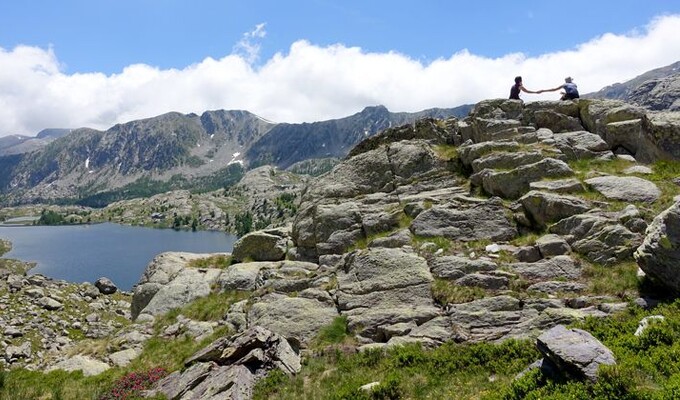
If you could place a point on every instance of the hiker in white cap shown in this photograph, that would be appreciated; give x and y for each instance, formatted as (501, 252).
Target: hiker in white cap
(570, 90)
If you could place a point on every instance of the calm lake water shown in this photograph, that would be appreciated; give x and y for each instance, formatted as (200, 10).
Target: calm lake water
(80, 253)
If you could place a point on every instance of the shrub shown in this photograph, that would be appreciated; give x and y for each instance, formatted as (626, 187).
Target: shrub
(132, 384)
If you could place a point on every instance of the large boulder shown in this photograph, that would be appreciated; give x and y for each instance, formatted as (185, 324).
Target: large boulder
(581, 144)
(298, 319)
(487, 220)
(168, 283)
(558, 267)
(381, 286)
(659, 254)
(543, 208)
(504, 317)
(88, 365)
(469, 152)
(625, 188)
(267, 245)
(596, 114)
(229, 367)
(600, 237)
(574, 351)
(661, 133)
(513, 183)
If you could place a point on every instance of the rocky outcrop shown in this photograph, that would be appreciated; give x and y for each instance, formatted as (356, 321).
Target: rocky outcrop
(268, 245)
(658, 94)
(487, 220)
(659, 253)
(574, 351)
(167, 284)
(382, 287)
(229, 367)
(599, 236)
(627, 188)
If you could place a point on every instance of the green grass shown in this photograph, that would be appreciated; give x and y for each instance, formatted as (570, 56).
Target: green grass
(648, 367)
(209, 308)
(408, 372)
(617, 280)
(220, 261)
(446, 152)
(5, 247)
(335, 333)
(446, 292)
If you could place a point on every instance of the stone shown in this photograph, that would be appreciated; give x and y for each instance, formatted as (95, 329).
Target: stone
(243, 276)
(295, 318)
(257, 347)
(556, 122)
(659, 254)
(454, 267)
(488, 220)
(88, 365)
(513, 183)
(397, 239)
(570, 185)
(574, 351)
(598, 236)
(21, 351)
(506, 160)
(167, 283)
(582, 145)
(105, 286)
(559, 267)
(527, 254)
(489, 282)
(552, 245)
(555, 287)
(543, 208)
(638, 169)
(124, 357)
(382, 286)
(260, 246)
(468, 153)
(627, 188)
(50, 304)
(646, 321)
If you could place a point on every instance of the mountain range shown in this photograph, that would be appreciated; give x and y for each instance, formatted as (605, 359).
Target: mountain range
(175, 151)
(212, 150)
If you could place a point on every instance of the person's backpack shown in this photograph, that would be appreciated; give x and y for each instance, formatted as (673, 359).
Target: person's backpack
(570, 88)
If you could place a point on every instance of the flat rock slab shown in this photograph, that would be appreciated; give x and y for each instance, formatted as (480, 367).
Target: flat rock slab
(629, 188)
(574, 351)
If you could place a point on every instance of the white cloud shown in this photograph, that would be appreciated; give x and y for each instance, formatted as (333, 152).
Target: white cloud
(249, 46)
(309, 82)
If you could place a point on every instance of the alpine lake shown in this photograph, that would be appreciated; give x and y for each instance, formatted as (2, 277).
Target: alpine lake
(84, 253)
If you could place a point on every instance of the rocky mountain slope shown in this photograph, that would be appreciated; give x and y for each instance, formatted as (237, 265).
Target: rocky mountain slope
(658, 89)
(18, 144)
(503, 225)
(175, 151)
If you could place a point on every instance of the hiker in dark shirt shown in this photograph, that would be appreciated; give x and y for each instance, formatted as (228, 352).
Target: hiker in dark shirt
(515, 89)
(570, 89)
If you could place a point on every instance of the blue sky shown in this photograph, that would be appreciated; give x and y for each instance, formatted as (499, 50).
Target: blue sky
(92, 63)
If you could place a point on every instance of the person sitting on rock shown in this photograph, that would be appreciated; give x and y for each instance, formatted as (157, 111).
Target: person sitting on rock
(570, 90)
(515, 89)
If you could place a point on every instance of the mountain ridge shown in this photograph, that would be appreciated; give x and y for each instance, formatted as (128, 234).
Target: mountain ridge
(181, 146)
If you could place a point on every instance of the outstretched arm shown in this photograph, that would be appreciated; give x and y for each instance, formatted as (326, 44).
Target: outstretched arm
(522, 88)
(552, 90)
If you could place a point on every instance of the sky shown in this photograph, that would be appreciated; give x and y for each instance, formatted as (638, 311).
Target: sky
(95, 63)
